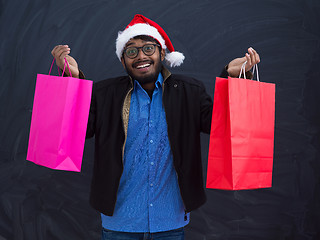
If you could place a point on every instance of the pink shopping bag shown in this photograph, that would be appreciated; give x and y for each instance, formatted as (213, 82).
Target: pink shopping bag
(59, 121)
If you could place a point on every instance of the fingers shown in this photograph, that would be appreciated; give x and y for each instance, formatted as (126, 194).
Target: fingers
(248, 59)
(252, 58)
(60, 52)
(253, 55)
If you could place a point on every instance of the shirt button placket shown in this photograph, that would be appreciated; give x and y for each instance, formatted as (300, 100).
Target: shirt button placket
(152, 163)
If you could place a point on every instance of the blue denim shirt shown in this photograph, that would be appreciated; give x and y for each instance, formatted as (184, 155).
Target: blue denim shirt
(148, 198)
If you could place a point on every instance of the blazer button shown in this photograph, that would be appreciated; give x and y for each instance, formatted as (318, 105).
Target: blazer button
(175, 85)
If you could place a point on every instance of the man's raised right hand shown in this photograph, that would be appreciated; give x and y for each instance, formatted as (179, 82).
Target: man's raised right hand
(60, 52)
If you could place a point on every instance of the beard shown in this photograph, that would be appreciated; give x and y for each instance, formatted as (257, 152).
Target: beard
(148, 78)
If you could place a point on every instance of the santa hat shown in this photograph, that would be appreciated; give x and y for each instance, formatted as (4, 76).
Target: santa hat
(141, 25)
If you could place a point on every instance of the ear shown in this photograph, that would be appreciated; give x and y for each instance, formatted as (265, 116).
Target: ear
(123, 63)
(163, 54)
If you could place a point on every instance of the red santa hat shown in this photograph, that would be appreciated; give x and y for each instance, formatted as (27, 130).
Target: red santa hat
(141, 25)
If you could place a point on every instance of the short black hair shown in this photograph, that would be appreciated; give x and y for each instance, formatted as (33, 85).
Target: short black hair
(148, 38)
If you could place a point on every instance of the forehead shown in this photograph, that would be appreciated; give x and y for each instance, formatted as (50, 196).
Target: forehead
(136, 42)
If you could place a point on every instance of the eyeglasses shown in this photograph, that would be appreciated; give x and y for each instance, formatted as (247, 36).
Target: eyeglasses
(148, 49)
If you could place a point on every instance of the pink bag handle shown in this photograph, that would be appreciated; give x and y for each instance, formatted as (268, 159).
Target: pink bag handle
(51, 67)
(65, 63)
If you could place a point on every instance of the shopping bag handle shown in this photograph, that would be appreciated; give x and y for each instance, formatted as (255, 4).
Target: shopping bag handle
(51, 67)
(65, 63)
(243, 69)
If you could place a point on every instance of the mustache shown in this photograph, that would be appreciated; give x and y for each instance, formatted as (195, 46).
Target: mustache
(142, 62)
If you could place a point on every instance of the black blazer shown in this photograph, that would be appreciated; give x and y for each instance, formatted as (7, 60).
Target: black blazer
(188, 112)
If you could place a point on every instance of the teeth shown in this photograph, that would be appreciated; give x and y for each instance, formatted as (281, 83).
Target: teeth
(145, 65)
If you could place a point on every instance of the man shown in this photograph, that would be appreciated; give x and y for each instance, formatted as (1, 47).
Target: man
(147, 173)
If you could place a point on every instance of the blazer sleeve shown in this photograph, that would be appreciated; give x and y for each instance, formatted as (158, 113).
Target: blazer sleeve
(92, 115)
(224, 73)
(206, 106)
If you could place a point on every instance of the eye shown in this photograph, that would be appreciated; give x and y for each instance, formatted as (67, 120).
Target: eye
(148, 48)
(131, 51)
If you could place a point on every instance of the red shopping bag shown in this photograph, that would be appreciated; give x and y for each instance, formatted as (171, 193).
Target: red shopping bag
(59, 121)
(242, 135)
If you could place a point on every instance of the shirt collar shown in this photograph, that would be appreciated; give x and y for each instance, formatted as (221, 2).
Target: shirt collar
(159, 81)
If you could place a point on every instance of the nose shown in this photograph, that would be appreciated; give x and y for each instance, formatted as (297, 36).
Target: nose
(140, 54)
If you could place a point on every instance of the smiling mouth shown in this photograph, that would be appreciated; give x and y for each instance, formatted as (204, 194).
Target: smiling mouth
(143, 66)
(140, 65)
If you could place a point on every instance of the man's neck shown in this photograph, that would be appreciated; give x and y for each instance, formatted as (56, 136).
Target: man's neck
(148, 86)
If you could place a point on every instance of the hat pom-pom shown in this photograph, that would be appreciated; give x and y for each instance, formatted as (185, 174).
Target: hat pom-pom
(174, 59)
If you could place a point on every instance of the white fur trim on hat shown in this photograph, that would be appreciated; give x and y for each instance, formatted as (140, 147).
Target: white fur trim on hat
(136, 30)
(174, 59)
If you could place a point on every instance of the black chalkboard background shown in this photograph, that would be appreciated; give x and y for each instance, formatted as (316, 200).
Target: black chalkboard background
(39, 203)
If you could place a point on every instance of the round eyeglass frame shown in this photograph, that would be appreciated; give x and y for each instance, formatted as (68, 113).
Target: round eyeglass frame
(143, 50)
